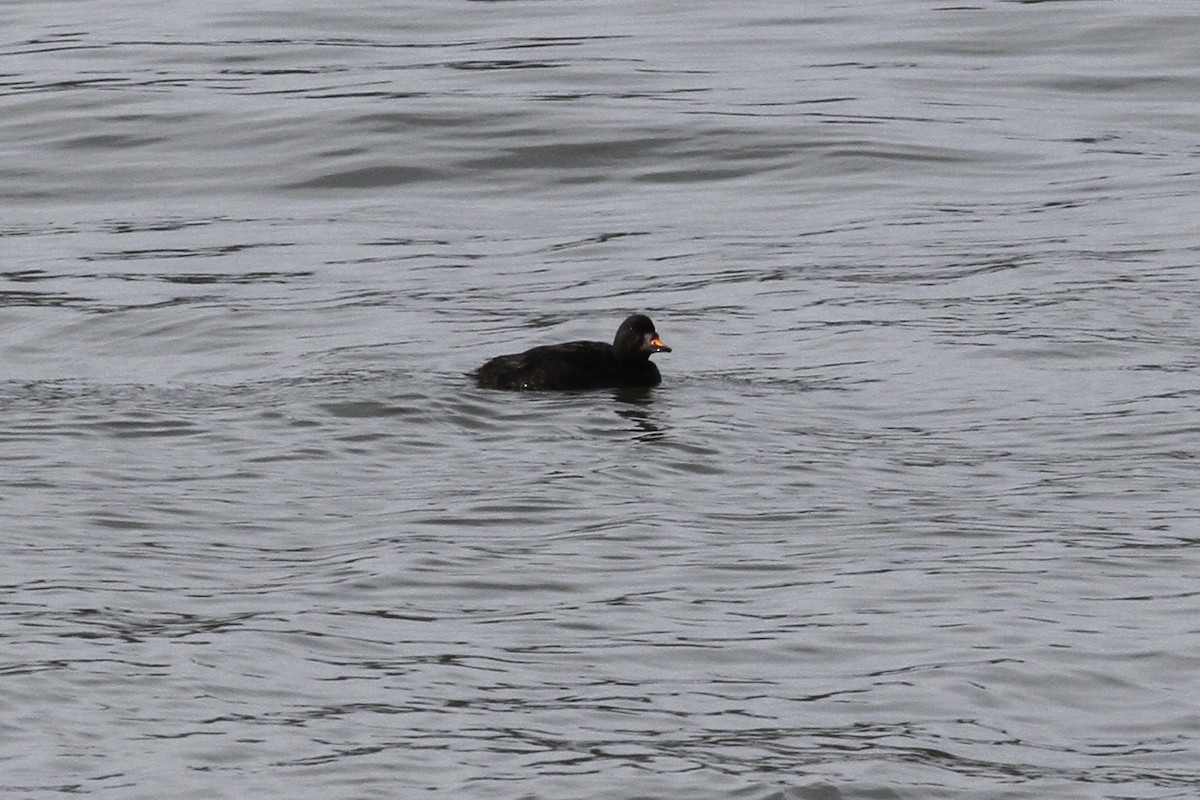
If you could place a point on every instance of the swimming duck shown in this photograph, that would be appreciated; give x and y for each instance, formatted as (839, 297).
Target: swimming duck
(581, 365)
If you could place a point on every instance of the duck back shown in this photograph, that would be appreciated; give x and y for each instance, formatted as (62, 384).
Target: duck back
(572, 365)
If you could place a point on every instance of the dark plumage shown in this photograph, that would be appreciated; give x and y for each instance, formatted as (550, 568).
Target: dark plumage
(581, 365)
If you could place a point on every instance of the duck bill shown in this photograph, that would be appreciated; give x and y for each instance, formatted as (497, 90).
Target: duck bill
(658, 345)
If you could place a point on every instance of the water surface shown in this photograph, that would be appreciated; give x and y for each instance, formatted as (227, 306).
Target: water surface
(912, 515)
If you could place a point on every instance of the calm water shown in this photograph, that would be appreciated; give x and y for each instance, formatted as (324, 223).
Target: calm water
(914, 514)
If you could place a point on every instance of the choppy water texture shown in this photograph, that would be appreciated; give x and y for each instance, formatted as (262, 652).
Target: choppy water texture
(914, 513)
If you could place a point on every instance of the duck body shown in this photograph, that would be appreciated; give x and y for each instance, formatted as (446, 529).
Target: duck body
(581, 365)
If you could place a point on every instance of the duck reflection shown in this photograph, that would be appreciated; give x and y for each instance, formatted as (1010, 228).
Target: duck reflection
(636, 404)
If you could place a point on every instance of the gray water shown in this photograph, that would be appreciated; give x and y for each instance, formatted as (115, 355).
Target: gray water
(914, 513)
